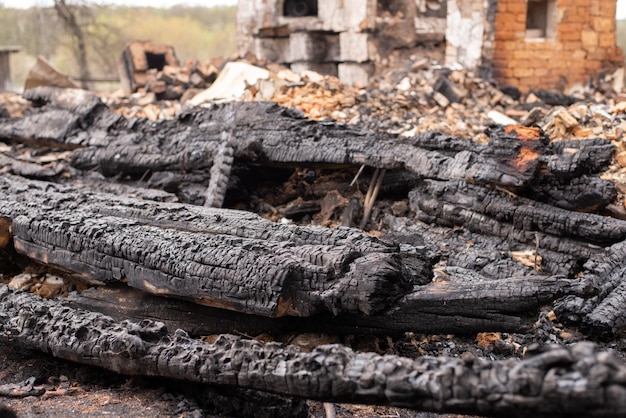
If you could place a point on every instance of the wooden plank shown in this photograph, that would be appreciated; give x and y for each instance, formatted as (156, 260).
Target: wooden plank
(232, 261)
(517, 158)
(548, 382)
(496, 212)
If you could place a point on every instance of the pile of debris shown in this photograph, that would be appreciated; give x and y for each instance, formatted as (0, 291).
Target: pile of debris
(483, 205)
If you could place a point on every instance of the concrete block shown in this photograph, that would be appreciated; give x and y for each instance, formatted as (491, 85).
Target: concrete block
(352, 72)
(343, 15)
(328, 68)
(314, 47)
(355, 47)
(272, 49)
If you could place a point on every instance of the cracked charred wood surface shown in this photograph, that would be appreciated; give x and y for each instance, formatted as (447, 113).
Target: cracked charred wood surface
(216, 257)
(602, 310)
(264, 133)
(455, 306)
(496, 212)
(187, 251)
(491, 256)
(553, 381)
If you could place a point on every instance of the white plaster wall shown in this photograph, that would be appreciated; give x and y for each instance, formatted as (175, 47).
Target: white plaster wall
(464, 32)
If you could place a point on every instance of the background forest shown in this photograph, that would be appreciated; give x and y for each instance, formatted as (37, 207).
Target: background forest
(195, 33)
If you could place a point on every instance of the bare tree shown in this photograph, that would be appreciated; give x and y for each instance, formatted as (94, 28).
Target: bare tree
(68, 17)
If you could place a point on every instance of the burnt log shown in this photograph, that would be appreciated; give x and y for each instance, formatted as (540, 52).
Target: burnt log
(602, 311)
(550, 381)
(456, 305)
(497, 212)
(186, 251)
(492, 256)
(194, 143)
(234, 261)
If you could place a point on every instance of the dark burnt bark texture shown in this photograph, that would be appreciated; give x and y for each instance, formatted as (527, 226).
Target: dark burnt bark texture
(239, 261)
(553, 381)
(500, 230)
(200, 146)
(216, 257)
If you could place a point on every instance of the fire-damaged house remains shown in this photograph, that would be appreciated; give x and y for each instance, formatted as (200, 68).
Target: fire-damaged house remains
(526, 43)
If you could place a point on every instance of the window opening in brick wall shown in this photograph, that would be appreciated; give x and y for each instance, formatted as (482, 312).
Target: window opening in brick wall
(300, 8)
(157, 61)
(541, 19)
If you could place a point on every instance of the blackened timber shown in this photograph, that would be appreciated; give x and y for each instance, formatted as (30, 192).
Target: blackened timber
(584, 193)
(574, 157)
(602, 308)
(458, 306)
(491, 256)
(163, 248)
(550, 381)
(265, 132)
(497, 212)
(250, 269)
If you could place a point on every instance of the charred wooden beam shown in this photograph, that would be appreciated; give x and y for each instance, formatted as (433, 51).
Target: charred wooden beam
(492, 256)
(462, 304)
(178, 250)
(550, 381)
(192, 142)
(232, 261)
(585, 193)
(496, 212)
(602, 310)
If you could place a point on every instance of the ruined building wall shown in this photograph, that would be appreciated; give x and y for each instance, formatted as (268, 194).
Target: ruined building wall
(576, 40)
(345, 38)
(549, 44)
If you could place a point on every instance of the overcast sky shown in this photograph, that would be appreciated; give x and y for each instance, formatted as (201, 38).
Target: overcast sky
(621, 4)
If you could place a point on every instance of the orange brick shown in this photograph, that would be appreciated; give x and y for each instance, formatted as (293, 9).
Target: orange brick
(568, 27)
(579, 54)
(570, 36)
(589, 38)
(607, 41)
(566, 3)
(603, 24)
(570, 46)
(597, 54)
(506, 35)
(523, 72)
(517, 7)
(575, 15)
(593, 64)
(522, 54)
(506, 18)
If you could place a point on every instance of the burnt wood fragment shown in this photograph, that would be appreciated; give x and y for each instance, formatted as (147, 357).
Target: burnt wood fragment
(231, 259)
(602, 308)
(585, 193)
(456, 305)
(119, 146)
(496, 212)
(551, 381)
(575, 157)
(491, 256)
(26, 169)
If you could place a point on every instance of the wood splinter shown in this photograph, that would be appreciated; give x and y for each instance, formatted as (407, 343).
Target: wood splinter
(372, 193)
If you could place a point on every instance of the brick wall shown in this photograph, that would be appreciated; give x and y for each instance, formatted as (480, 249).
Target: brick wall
(580, 44)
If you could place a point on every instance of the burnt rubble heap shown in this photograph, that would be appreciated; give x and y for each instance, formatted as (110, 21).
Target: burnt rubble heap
(513, 231)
